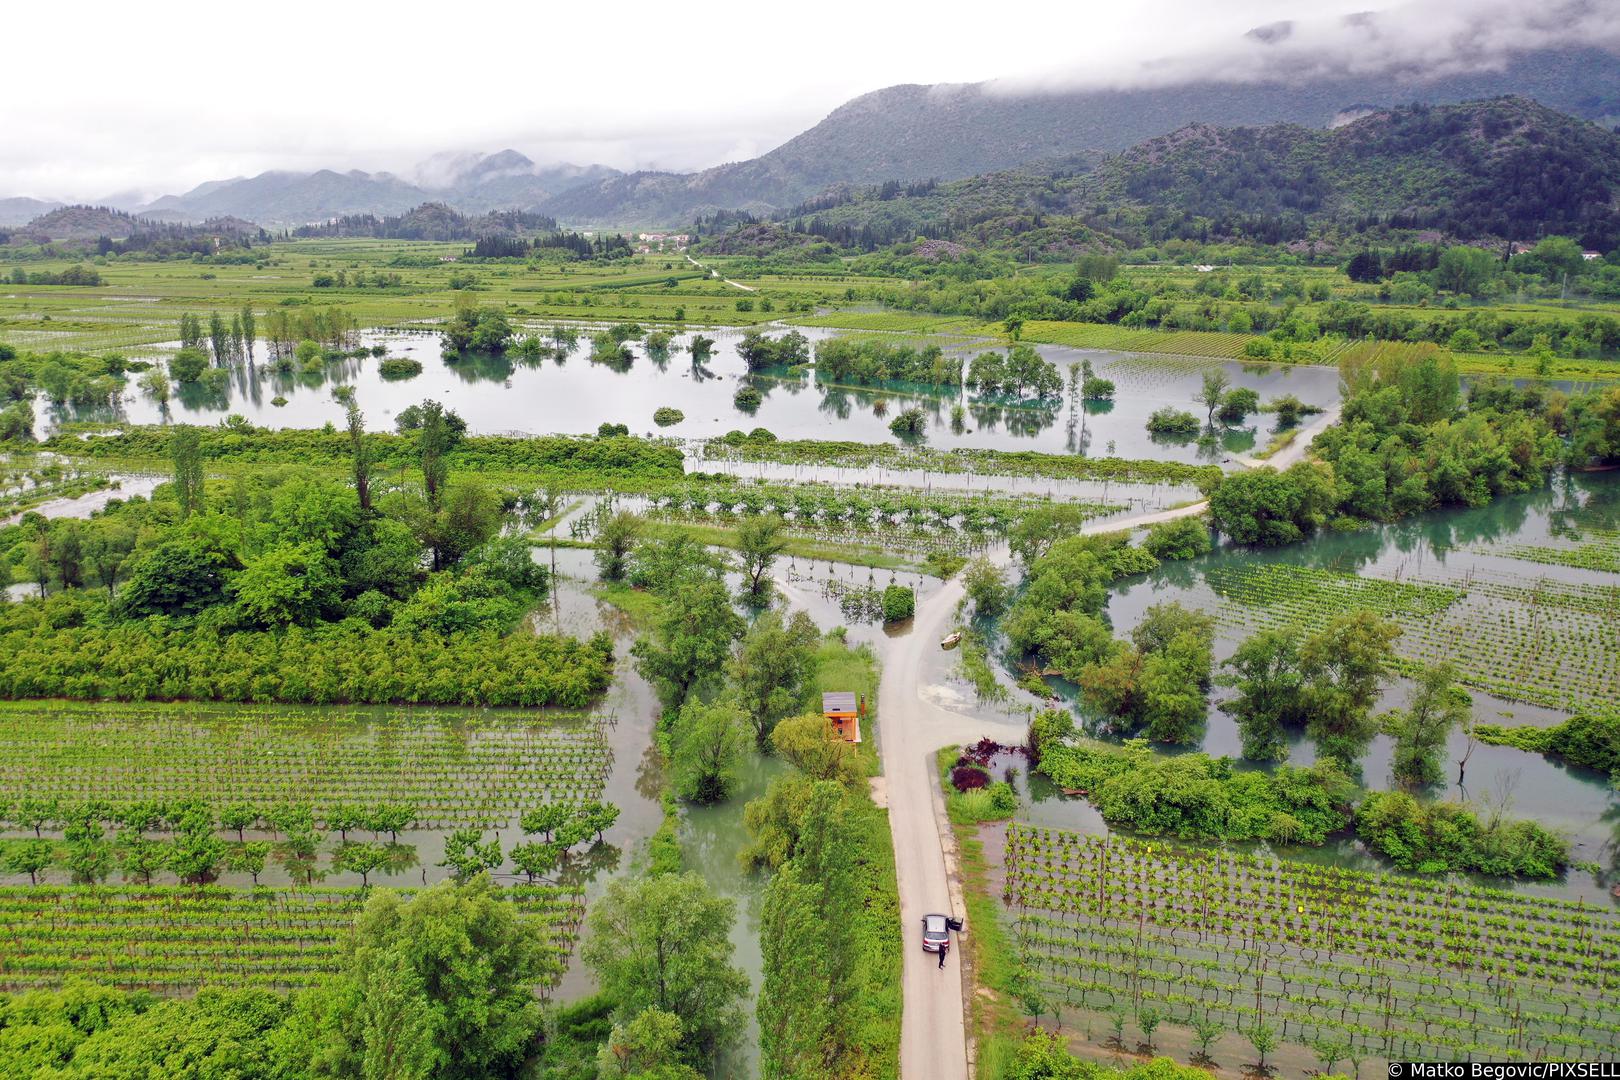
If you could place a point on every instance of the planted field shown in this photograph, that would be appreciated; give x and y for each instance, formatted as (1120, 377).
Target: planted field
(1109, 925)
(984, 462)
(894, 520)
(899, 321)
(1545, 642)
(178, 938)
(455, 769)
(1597, 549)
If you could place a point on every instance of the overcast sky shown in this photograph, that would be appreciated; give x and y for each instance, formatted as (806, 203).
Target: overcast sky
(159, 97)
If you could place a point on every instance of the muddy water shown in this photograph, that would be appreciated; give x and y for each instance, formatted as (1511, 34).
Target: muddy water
(1446, 545)
(499, 394)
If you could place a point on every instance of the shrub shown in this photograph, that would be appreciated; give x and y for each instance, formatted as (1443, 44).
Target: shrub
(968, 777)
(910, 424)
(1171, 421)
(899, 602)
(399, 367)
(666, 416)
(747, 399)
(1183, 538)
(187, 365)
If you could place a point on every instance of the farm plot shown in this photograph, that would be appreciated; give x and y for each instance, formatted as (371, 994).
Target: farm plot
(170, 939)
(471, 769)
(1598, 549)
(1544, 642)
(894, 520)
(1110, 925)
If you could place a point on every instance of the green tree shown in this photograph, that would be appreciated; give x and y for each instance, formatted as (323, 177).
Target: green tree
(1181, 538)
(467, 854)
(1436, 708)
(248, 858)
(807, 743)
(1038, 529)
(441, 986)
(1465, 270)
(759, 542)
(363, 859)
(1344, 667)
(708, 746)
(27, 857)
(359, 451)
(805, 997)
(187, 365)
(691, 638)
(615, 540)
(663, 942)
(185, 451)
(772, 669)
(536, 860)
(287, 585)
(985, 587)
(1263, 1037)
(1214, 390)
(1266, 672)
(647, 1047)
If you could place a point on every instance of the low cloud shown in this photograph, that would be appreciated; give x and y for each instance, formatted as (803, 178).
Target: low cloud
(1428, 39)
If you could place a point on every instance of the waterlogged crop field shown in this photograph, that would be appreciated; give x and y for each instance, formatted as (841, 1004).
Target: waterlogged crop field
(1318, 954)
(474, 769)
(179, 938)
(896, 520)
(119, 819)
(1542, 641)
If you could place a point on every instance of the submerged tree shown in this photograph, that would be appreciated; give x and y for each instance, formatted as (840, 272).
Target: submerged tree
(1437, 707)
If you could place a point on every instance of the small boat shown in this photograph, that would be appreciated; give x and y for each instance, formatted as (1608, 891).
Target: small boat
(952, 640)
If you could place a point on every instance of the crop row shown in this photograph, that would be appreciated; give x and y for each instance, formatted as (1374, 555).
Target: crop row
(1598, 549)
(175, 938)
(471, 769)
(1108, 923)
(1549, 643)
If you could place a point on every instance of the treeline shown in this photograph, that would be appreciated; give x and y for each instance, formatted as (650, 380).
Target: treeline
(1590, 741)
(579, 245)
(725, 684)
(1407, 443)
(335, 664)
(1196, 797)
(867, 362)
(66, 379)
(432, 221)
(584, 460)
(76, 274)
(286, 586)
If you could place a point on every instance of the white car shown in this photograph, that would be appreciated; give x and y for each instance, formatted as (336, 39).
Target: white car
(936, 932)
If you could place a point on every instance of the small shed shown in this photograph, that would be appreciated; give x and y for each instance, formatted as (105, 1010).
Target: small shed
(843, 711)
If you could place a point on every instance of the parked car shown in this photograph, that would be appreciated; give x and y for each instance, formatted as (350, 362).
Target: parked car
(936, 932)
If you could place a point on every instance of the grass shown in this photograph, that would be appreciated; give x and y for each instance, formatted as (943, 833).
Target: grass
(994, 1022)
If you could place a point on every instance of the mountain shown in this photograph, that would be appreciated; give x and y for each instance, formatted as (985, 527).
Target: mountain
(1508, 168)
(953, 131)
(20, 210)
(472, 183)
(81, 226)
(287, 197)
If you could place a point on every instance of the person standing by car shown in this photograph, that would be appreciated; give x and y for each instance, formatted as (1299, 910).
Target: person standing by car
(944, 947)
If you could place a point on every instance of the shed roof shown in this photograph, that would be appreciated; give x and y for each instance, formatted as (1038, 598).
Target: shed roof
(838, 701)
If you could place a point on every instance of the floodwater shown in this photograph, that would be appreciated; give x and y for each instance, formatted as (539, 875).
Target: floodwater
(1454, 545)
(711, 838)
(572, 396)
